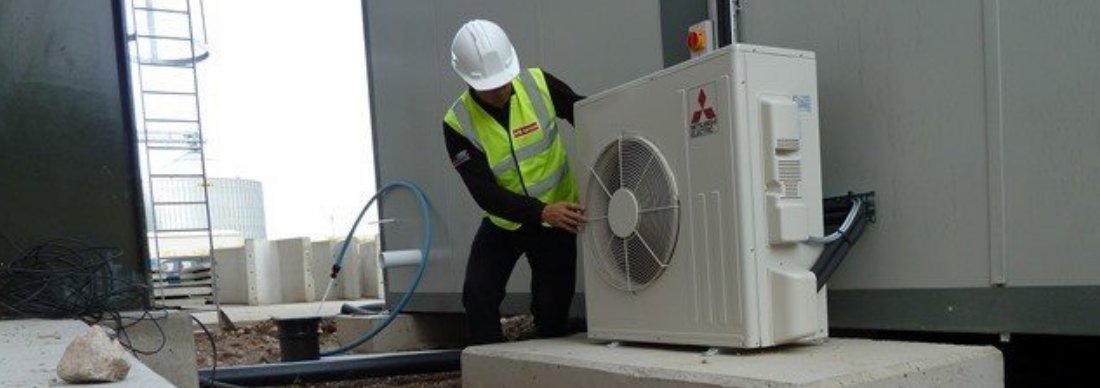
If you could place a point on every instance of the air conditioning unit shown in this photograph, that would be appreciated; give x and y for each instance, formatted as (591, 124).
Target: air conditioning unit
(702, 183)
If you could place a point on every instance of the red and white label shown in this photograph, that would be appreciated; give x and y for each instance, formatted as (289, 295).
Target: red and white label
(525, 130)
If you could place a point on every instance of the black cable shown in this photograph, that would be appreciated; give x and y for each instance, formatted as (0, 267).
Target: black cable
(121, 323)
(213, 349)
(211, 381)
(65, 279)
(842, 247)
(834, 253)
(71, 279)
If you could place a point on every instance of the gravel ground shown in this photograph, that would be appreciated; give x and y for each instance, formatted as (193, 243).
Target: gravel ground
(259, 344)
(518, 328)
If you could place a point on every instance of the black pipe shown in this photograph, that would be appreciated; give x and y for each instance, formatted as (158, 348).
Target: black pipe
(823, 259)
(298, 338)
(338, 368)
(836, 210)
(216, 384)
(841, 252)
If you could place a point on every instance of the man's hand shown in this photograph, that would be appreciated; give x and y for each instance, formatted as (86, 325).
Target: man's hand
(564, 215)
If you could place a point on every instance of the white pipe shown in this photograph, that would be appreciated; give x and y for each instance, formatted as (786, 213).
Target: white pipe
(401, 258)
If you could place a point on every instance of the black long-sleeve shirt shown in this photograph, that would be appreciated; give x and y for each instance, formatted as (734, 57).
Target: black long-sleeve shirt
(473, 165)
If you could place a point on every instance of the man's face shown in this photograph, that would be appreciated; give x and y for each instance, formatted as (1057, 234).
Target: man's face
(497, 97)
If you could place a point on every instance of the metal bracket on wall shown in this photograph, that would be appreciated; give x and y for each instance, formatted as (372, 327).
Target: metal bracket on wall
(840, 205)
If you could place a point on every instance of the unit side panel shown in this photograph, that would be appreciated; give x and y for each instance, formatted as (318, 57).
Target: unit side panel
(781, 104)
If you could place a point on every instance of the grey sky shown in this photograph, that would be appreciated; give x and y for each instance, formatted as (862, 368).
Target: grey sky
(284, 101)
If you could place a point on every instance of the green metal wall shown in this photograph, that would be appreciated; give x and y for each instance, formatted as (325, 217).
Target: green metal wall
(67, 158)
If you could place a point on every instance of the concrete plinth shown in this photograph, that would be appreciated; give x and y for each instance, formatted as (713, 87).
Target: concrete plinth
(173, 333)
(407, 332)
(578, 362)
(30, 350)
(295, 257)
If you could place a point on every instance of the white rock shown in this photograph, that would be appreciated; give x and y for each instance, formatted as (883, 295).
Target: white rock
(93, 357)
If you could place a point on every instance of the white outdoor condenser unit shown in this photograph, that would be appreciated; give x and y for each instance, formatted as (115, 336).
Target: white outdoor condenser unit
(701, 183)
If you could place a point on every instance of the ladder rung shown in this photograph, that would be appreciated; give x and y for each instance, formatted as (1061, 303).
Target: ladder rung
(174, 148)
(159, 120)
(168, 92)
(164, 37)
(179, 203)
(165, 10)
(181, 230)
(183, 65)
(169, 176)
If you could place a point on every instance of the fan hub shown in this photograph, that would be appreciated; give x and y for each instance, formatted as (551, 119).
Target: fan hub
(622, 213)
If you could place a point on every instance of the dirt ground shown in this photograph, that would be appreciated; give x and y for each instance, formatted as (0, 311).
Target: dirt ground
(259, 344)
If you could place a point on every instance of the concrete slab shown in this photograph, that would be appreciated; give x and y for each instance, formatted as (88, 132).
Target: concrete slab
(407, 332)
(324, 253)
(176, 358)
(240, 314)
(295, 257)
(267, 271)
(350, 277)
(371, 270)
(236, 272)
(579, 362)
(30, 350)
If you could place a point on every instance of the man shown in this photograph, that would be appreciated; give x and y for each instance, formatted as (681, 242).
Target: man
(503, 139)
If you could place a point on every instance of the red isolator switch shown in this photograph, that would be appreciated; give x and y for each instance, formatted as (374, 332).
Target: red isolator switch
(696, 41)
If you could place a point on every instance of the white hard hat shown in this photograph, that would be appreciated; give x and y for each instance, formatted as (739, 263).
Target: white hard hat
(483, 56)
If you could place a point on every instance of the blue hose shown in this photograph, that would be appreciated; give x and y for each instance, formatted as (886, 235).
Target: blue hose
(425, 248)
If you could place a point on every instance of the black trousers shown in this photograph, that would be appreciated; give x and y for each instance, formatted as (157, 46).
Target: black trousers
(552, 254)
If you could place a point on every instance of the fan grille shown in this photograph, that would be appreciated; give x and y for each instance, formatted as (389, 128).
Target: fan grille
(634, 261)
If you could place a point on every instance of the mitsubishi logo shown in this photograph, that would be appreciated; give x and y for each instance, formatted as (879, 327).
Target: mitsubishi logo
(703, 109)
(704, 121)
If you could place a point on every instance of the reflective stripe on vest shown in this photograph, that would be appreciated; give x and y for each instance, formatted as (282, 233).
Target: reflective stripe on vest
(467, 126)
(549, 183)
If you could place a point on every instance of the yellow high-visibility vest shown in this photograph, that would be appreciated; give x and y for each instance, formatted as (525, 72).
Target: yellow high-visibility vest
(527, 159)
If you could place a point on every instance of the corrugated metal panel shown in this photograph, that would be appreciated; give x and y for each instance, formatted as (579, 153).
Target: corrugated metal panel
(976, 123)
(902, 96)
(1051, 141)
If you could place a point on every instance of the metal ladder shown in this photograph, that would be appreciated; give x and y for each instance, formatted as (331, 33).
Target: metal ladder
(171, 142)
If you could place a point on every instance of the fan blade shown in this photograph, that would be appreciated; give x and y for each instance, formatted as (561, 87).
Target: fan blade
(621, 178)
(626, 259)
(638, 179)
(657, 209)
(651, 253)
(600, 181)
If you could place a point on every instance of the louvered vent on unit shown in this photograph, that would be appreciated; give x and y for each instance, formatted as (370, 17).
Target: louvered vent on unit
(634, 212)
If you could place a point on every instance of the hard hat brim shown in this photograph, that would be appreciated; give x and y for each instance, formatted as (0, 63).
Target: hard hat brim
(496, 80)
